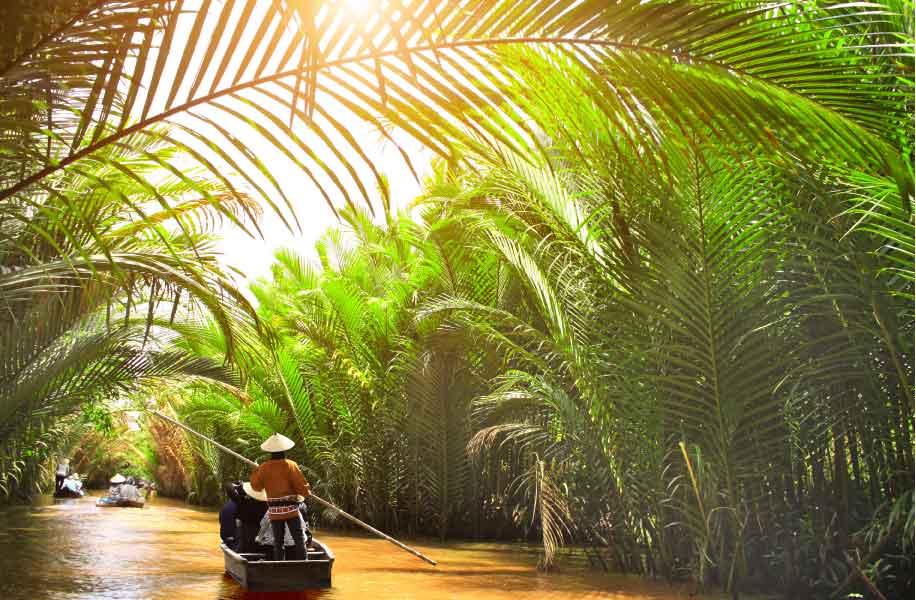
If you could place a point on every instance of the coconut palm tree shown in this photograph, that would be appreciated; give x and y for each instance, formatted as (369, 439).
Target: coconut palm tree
(81, 287)
(675, 238)
(661, 369)
(699, 329)
(824, 81)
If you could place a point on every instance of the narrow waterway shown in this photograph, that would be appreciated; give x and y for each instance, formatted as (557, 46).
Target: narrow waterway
(69, 549)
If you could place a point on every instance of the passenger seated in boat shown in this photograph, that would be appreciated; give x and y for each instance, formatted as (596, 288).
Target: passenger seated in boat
(129, 492)
(252, 508)
(116, 482)
(73, 485)
(286, 488)
(228, 531)
(240, 517)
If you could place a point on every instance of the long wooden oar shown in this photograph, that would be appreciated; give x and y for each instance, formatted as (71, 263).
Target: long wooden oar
(346, 515)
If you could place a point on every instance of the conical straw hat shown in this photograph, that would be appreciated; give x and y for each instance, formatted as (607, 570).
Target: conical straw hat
(262, 495)
(277, 443)
(118, 478)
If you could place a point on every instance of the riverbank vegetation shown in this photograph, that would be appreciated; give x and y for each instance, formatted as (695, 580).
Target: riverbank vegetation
(655, 299)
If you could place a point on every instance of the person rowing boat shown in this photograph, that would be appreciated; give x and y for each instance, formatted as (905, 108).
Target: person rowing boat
(114, 490)
(286, 489)
(63, 469)
(317, 499)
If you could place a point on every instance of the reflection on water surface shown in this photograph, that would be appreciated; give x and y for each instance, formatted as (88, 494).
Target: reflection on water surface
(69, 549)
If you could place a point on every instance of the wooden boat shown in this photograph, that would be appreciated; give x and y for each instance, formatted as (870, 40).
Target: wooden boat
(68, 493)
(254, 572)
(109, 502)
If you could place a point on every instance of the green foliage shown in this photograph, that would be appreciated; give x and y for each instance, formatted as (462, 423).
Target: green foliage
(97, 456)
(100, 418)
(656, 299)
(697, 376)
(85, 288)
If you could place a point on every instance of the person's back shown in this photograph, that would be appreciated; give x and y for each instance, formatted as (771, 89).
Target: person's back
(280, 478)
(286, 488)
(129, 492)
(252, 508)
(227, 529)
(62, 470)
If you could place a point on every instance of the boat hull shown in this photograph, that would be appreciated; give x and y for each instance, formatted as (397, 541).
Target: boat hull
(65, 493)
(254, 573)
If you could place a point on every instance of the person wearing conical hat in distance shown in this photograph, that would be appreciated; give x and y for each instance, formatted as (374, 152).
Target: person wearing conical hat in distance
(115, 490)
(286, 488)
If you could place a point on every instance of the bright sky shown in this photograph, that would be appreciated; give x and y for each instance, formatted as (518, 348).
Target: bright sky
(253, 256)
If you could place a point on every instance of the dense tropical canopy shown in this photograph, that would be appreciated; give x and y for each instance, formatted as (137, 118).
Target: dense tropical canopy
(654, 302)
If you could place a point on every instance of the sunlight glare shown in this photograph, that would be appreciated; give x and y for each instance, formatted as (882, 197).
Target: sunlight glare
(359, 8)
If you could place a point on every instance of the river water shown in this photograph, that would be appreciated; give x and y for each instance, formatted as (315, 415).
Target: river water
(69, 549)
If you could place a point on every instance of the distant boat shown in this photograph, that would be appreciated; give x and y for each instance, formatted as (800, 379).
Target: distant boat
(257, 574)
(115, 502)
(67, 493)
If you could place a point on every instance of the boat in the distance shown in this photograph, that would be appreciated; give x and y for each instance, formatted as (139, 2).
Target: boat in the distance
(254, 572)
(122, 493)
(115, 502)
(67, 484)
(70, 487)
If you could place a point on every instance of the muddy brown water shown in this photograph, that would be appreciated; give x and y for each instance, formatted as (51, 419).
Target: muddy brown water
(70, 549)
